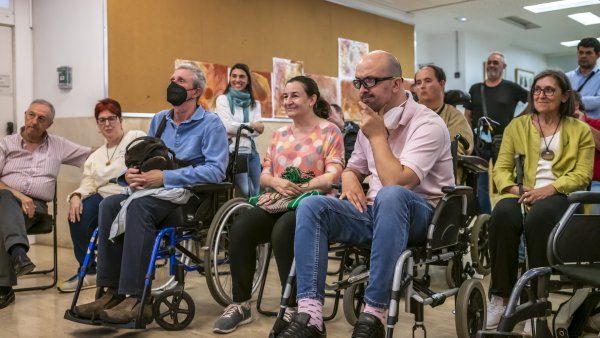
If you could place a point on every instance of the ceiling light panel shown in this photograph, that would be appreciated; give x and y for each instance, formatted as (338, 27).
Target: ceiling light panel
(572, 43)
(558, 5)
(586, 18)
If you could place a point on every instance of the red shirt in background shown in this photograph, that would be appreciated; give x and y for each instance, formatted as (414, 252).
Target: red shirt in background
(595, 123)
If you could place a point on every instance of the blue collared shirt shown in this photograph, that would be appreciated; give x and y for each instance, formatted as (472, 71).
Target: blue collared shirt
(200, 140)
(590, 93)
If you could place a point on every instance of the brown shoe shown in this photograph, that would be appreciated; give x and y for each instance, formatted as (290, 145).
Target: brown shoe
(94, 309)
(127, 311)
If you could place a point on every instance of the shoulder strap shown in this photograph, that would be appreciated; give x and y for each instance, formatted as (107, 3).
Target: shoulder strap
(483, 102)
(162, 125)
(586, 80)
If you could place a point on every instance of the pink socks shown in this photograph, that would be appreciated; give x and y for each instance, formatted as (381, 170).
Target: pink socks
(315, 309)
(377, 312)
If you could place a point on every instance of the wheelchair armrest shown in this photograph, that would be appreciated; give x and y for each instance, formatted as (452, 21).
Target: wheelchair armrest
(213, 187)
(457, 190)
(474, 164)
(592, 197)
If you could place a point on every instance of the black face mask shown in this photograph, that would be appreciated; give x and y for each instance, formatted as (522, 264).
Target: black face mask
(177, 94)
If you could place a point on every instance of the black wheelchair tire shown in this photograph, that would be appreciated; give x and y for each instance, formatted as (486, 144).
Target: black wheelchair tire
(480, 253)
(471, 309)
(172, 317)
(353, 299)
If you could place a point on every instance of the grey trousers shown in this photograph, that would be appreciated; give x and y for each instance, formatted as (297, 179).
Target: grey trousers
(13, 230)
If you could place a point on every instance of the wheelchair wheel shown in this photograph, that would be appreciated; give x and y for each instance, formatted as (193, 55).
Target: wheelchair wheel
(173, 310)
(162, 279)
(218, 276)
(471, 309)
(451, 271)
(480, 248)
(353, 300)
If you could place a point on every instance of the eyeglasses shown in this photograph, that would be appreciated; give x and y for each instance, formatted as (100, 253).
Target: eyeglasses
(548, 91)
(369, 81)
(111, 119)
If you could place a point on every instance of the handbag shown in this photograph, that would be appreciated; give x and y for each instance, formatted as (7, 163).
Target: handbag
(280, 203)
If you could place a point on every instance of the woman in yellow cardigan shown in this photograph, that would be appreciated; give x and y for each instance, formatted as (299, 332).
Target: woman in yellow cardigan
(559, 151)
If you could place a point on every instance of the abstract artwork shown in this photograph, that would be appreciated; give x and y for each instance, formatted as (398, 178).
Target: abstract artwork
(350, 53)
(216, 81)
(283, 70)
(328, 87)
(261, 86)
(350, 98)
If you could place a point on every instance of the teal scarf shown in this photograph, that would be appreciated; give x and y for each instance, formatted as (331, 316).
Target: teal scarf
(240, 99)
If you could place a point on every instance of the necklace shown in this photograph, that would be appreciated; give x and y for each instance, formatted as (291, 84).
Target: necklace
(548, 154)
(114, 152)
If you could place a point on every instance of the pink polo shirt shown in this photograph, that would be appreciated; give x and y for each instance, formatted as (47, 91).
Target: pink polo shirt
(34, 173)
(420, 142)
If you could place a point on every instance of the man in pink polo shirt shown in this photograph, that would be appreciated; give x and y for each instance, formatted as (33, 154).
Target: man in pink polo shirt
(29, 164)
(405, 146)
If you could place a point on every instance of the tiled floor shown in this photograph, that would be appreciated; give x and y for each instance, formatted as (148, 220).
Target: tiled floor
(40, 313)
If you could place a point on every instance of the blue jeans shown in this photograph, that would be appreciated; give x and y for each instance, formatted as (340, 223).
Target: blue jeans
(82, 231)
(249, 182)
(398, 217)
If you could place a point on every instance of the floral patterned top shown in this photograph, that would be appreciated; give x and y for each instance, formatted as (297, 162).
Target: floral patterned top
(322, 151)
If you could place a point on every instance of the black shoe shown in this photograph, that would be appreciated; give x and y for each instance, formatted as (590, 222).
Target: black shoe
(6, 297)
(368, 326)
(299, 328)
(22, 265)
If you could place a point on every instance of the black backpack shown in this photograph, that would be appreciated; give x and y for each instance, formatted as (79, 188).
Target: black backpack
(149, 153)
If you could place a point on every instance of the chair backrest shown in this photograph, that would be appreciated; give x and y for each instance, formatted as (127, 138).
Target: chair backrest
(448, 218)
(576, 236)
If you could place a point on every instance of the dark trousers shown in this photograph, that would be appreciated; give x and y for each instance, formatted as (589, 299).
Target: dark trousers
(124, 262)
(13, 230)
(506, 226)
(256, 226)
(82, 230)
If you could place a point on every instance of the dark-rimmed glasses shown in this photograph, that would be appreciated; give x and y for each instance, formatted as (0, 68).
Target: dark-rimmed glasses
(369, 81)
(111, 119)
(548, 91)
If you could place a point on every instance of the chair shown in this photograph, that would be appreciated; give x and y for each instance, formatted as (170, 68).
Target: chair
(573, 255)
(42, 224)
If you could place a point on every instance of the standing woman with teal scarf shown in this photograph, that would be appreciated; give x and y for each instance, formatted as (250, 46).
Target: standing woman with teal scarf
(235, 107)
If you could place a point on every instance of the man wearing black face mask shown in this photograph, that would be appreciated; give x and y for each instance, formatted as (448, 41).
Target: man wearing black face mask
(197, 137)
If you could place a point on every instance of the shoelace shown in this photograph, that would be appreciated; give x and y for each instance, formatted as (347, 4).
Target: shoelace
(230, 310)
(288, 315)
(296, 330)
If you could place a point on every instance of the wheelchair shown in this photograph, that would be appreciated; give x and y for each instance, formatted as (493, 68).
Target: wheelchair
(178, 249)
(573, 257)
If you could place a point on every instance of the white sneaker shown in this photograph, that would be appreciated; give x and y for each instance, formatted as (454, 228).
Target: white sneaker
(495, 310)
(527, 328)
(70, 285)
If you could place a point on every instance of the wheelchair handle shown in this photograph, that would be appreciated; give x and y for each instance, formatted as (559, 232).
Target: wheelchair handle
(519, 170)
(462, 140)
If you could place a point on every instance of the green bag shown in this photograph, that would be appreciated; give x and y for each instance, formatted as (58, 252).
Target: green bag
(282, 203)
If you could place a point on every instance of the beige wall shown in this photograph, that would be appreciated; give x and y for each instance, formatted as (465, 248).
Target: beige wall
(84, 131)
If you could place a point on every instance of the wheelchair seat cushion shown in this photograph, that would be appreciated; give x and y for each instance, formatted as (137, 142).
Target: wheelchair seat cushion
(586, 274)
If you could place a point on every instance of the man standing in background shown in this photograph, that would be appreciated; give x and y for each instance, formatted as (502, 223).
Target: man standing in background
(585, 78)
(496, 99)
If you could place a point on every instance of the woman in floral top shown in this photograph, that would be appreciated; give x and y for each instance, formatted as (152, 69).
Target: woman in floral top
(311, 144)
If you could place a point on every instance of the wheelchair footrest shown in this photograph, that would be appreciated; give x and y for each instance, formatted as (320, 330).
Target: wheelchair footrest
(494, 334)
(69, 315)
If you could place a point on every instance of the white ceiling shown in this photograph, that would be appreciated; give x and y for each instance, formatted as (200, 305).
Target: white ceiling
(439, 16)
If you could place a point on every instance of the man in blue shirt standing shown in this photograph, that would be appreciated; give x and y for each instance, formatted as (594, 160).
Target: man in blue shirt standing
(586, 78)
(198, 138)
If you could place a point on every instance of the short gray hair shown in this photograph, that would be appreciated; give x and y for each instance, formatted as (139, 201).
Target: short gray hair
(499, 54)
(46, 103)
(198, 74)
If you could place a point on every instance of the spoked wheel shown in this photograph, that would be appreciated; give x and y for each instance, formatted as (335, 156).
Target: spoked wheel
(173, 310)
(471, 309)
(218, 275)
(452, 269)
(354, 297)
(480, 248)
(162, 278)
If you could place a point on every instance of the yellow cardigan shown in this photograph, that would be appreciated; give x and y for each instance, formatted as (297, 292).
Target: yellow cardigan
(573, 167)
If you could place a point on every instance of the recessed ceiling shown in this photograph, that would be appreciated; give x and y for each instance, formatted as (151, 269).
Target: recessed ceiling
(438, 16)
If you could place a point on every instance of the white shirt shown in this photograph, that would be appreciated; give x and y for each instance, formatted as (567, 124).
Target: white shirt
(544, 175)
(233, 122)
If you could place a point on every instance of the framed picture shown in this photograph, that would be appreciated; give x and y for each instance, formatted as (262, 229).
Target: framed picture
(524, 78)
